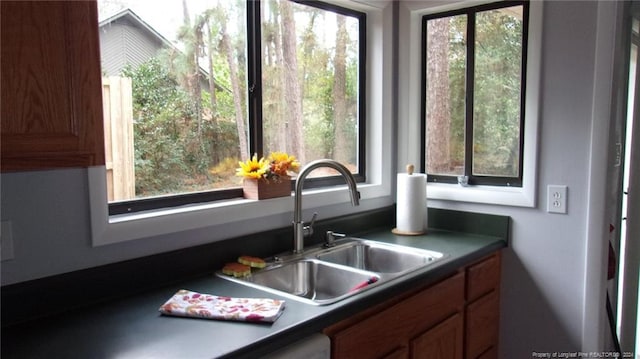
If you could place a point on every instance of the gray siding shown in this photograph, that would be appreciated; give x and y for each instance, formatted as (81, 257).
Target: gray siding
(122, 43)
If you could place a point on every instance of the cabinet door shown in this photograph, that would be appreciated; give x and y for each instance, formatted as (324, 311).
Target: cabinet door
(399, 353)
(444, 341)
(51, 85)
(384, 332)
(489, 354)
(482, 326)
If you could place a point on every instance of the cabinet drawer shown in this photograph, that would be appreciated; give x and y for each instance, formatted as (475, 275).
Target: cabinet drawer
(483, 277)
(391, 328)
(483, 317)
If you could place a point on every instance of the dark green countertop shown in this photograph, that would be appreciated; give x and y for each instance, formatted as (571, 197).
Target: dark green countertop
(133, 328)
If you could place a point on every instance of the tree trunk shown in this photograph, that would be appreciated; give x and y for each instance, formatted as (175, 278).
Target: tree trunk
(276, 135)
(293, 93)
(194, 79)
(237, 96)
(186, 19)
(341, 145)
(192, 38)
(438, 109)
(215, 146)
(212, 78)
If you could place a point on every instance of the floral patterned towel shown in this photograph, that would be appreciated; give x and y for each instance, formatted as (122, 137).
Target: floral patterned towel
(186, 303)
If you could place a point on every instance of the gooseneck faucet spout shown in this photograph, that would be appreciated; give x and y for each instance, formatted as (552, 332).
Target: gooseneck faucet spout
(299, 229)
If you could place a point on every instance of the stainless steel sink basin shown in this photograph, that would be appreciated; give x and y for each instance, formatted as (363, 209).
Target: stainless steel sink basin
(379, 257)
(323, 276)
(311, 279)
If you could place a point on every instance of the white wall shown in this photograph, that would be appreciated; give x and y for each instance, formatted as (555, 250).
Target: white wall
(547, 291)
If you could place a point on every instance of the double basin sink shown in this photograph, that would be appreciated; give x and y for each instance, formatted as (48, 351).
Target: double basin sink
(324, 275)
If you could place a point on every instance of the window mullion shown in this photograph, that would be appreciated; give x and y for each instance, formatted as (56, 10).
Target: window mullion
(523, 81)
(469, 84)
(254, 77)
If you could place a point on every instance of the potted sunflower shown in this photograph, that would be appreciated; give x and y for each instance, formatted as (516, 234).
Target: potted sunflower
(267, 177)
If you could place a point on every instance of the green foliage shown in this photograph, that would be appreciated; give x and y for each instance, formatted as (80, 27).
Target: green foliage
(170, 155)
(315, 58)
(186, 139)
(496, 105)
(158, 105)
(497, 94)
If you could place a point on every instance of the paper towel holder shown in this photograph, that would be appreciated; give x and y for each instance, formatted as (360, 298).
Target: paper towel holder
(406, 233)
(410, 169)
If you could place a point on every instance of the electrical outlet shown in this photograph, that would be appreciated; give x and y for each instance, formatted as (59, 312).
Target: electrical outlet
(556, 199)
(6, 241)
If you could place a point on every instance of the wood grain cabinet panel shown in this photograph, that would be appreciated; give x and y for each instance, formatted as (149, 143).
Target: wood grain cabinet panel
(399, 353)
(51, 85)
(483, 277)
(382, 333)
(482, 325)
(489, 354)
(444, 341)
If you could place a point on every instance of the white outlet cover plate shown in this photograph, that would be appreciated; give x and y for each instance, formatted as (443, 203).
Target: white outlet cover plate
(557, 199)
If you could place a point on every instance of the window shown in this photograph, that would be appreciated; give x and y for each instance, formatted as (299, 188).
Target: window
(473, 94)
(228, 80)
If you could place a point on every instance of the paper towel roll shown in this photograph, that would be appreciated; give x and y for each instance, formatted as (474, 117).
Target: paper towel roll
(411, 204)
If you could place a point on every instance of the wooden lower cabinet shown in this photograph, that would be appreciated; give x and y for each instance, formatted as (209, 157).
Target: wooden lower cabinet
(445, 320)
(444, 341)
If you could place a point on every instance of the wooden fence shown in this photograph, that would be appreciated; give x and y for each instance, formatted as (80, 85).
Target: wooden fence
(118, 137)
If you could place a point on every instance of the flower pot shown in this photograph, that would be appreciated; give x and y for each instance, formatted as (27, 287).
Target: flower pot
(263, 189)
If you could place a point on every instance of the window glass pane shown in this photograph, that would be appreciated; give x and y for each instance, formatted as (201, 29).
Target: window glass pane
(175, 88)
(497, 92)
(445, 94)
(310, 82)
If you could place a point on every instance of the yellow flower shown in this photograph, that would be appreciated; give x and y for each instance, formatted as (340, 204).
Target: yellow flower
(276, 165)
(282, 163)
(253, 168)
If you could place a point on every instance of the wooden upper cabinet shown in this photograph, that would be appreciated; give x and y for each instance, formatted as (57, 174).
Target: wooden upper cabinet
(51, 110)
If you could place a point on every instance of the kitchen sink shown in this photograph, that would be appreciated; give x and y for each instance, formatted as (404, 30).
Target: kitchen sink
(379, 257)
(311, 279)
(324, 275)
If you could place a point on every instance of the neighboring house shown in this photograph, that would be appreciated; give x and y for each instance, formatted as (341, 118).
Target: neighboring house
(127, 39)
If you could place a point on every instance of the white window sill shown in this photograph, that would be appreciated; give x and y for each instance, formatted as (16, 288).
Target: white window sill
(119, 228)
(506, 196)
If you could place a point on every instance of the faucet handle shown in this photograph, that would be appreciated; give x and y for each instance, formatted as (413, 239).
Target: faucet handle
(308, 229)
(330, 238)
(313, 219)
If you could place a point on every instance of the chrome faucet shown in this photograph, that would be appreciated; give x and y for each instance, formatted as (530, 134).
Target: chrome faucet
(299, 229)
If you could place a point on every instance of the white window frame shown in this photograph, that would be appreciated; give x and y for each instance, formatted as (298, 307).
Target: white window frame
(409, 149)
(243, 216)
